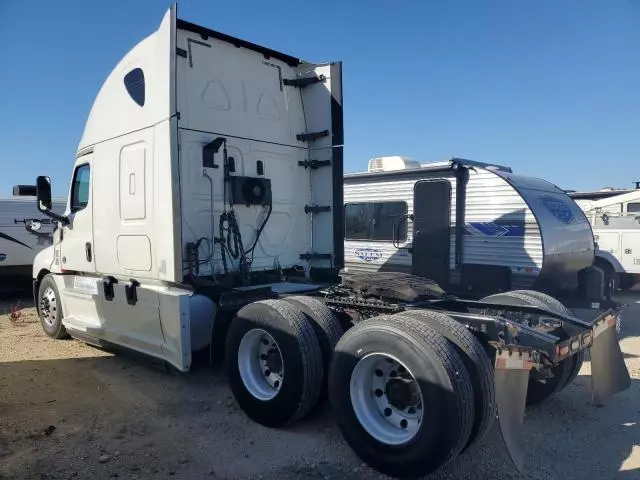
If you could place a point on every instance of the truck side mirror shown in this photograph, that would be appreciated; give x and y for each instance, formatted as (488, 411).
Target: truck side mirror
(43, 193)
(43, 197)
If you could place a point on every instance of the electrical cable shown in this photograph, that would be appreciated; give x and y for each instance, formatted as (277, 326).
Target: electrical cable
(230, 237)
(259, 232)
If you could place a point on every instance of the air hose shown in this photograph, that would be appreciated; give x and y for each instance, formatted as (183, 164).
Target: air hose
(230, 239)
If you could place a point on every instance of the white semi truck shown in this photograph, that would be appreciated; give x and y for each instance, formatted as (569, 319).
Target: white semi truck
(205, 213)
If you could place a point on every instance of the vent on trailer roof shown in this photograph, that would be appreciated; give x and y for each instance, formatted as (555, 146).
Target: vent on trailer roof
(388, 164)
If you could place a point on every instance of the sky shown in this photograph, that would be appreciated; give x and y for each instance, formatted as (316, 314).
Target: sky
(550, 88)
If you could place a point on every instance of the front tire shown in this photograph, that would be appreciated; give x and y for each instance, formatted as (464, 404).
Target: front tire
(401, 395)
(274, 362)
(50, 309)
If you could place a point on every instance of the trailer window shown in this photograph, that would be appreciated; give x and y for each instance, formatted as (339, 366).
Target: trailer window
(374, 221)
(633, 207)
(80, 190)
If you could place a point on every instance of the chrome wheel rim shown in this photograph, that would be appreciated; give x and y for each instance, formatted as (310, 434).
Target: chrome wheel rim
(49, 307)
(260, 364)
(386, 399)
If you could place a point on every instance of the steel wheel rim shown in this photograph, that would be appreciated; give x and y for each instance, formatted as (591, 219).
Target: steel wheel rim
(260, 364)
(372, 401)
(49, 306)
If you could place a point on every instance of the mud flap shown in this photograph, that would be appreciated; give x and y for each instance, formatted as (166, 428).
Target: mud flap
(609, 374)
(512, 371)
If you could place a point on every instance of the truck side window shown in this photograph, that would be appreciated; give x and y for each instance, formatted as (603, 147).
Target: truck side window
(80, 190)
(633, 207)
(374, 221)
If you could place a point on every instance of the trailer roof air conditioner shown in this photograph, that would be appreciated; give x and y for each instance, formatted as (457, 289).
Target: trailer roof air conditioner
(395, 162)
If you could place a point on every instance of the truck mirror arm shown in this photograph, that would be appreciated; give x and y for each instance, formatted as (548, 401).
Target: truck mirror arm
(62, 219)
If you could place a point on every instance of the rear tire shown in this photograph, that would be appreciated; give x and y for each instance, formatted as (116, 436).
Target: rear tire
(274, 362)
(436, 402)
(476, 361)
(538, 391)
(557, 306)
(326, 327)
(50, 309)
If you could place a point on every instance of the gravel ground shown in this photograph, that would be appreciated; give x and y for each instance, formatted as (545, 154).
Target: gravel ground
(71, 411)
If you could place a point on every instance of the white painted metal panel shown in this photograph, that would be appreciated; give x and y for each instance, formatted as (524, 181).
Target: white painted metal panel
(238, 94)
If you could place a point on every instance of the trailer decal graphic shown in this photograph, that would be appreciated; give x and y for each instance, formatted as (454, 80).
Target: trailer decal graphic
(11, 239)
(558, 208)
(3, 257)
(495, 229)
(368, 254)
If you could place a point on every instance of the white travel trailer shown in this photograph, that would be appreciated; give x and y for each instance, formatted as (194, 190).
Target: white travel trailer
(24, 231)
(615, 221)
(474, 228)
(205, 214)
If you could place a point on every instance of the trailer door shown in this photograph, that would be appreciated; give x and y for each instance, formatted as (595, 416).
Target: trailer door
(431, 229)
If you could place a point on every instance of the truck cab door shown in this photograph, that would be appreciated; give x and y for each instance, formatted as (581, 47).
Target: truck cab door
(76, 246)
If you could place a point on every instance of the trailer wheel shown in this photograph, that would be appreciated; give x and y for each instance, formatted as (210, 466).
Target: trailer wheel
(401, 395)
(610, 276)
(626, 281)
(476, 362)
(538, 391)
(274, 362)
(557, 306)
(50, 309)
(327, 329)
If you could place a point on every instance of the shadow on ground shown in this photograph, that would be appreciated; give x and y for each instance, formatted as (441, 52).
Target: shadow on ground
(104, 416)
(108, 416)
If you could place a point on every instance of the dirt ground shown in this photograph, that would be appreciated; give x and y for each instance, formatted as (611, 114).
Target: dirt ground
(71, 411)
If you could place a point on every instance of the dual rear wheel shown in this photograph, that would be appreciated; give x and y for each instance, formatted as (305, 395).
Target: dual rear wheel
(277, 356)
(408, 391)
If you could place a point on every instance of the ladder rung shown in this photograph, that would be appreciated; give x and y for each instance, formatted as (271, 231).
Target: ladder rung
(316, 256)
(317, 208)
(303, 81)
(312, 136)
(314, 163)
